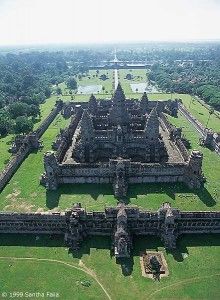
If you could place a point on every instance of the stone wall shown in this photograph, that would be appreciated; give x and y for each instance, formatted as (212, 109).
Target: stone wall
(198, 126)
(38, 223)
(26, 147)
(136, 173)
(67, 136)
(13, 165)
(49, 119)
(76, 224)
(170, 128)
(209, 138)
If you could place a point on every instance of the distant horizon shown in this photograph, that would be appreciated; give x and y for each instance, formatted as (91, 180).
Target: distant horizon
(112, 43)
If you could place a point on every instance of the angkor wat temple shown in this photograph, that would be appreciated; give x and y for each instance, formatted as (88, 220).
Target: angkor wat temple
(121, 141)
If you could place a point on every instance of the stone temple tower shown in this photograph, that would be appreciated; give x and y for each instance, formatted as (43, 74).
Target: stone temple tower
(144, 103)
(122, 240)
(152, 126)
(119, 114)
(85, 140)
(194, 176)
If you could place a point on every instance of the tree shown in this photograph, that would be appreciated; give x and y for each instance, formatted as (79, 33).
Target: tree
(47, 92)
(103, 77)
(59, 91)
(17, 109)
(6, 123)
(23, 125)
(71, 83)
(34, 110)
(128, 76)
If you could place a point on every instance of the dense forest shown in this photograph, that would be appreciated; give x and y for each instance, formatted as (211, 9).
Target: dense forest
(26, 80)
(182, 68)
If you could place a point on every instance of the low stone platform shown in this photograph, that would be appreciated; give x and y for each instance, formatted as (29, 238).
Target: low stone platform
(146, 266)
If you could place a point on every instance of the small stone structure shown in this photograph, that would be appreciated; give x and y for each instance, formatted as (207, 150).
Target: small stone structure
(153, 265)
(211, 140)
(31, 140)
(120, 141)
(172, 107)
(121, 223)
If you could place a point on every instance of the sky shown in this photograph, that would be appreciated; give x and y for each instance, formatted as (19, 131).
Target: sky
(25, 22)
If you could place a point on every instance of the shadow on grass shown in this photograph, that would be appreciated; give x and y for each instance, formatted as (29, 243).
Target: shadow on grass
(31, 240)
(140, 243)
(98, 242)
(170, 190)
(96, 190)
(184, 242)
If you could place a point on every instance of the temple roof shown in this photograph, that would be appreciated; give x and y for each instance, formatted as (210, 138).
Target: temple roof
(119, 94)
(86, 125)
(152, 124)
(92, 98)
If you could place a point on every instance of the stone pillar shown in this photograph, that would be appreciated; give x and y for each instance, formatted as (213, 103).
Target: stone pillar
(122, 239)
(50, 176)
(168, 226)
(193, 176)
(76, 229)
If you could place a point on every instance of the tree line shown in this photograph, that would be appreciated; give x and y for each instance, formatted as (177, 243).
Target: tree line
(26, 81)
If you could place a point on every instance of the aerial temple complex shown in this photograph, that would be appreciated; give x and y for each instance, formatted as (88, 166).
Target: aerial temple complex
(121, 141)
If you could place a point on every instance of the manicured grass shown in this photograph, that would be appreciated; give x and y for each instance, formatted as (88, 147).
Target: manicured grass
(139, 75)
(194, 277)
(200, 112)
(43, 276)
(93, 78)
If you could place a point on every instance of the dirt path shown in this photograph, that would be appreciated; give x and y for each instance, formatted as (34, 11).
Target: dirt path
(82, 268)
(185, 281)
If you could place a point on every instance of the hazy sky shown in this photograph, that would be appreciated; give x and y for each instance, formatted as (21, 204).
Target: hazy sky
(85, 21)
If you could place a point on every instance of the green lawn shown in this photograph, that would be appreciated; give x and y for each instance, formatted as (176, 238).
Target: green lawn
(93, 78)
(139, 76)
(194, 277)
(200, 112)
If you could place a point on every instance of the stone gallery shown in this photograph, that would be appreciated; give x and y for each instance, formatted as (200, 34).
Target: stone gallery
(121, 141)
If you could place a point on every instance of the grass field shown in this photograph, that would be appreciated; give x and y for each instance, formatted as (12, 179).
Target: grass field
(139, 75)
(93, 78)
(194, 277)
(200, 112)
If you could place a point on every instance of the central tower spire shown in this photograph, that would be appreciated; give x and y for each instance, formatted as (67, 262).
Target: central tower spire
(118, 113)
